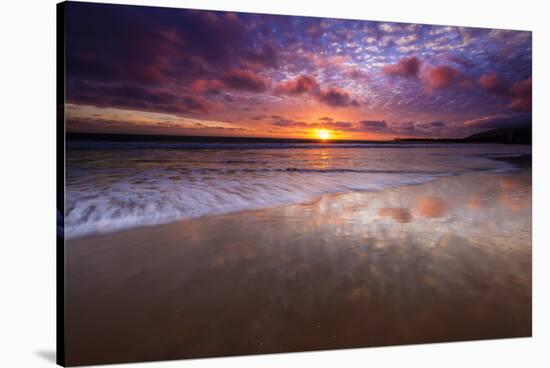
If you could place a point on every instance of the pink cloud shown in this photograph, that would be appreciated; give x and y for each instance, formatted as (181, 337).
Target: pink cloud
(492, 83)
(406, 67)
(306, 84)
(521, 93)
(207, 86)
(337, 97)
(299, 85)
(442, 77)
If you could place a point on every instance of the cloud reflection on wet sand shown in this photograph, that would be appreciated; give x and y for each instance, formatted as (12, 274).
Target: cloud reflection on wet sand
(407, 265)
(431, 207)
(402, 215)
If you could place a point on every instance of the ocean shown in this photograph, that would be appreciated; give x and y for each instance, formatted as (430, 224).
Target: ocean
(122, 184)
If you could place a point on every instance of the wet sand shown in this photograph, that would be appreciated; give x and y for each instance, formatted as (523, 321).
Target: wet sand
(445, 261)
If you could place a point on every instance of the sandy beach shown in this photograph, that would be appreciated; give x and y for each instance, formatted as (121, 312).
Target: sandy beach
(448, 260)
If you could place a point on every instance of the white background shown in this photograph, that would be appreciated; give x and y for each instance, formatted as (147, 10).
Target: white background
(27, 179)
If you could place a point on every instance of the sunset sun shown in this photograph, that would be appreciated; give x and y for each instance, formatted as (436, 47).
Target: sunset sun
(323, 134)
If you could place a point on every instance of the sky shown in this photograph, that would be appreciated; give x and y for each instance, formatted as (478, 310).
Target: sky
(148, 70)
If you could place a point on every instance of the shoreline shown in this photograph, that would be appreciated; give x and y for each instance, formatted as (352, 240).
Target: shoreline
(406, 265)
(521, 162)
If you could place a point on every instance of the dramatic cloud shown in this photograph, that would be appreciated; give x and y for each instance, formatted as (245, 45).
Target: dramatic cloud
(442, 77)
(406, 67)
(405, 80)
(245, 80)
(138, 98)
(266, 57)
(337, 97)
(240, 80)
(174, 39)
(357, 75)
(300, 85)
(305, 84)
(207, 86)
(521, 93)
(493, 84)
(373, 125)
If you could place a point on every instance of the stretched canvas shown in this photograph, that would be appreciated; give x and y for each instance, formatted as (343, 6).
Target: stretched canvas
(234, 183)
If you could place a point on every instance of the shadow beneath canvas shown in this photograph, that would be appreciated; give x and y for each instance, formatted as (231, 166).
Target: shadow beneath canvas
(48, 355)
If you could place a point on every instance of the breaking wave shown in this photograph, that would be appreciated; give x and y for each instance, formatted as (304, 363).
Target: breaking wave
(109, 190)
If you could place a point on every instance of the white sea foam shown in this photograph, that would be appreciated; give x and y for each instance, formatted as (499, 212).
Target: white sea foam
(110, 190)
